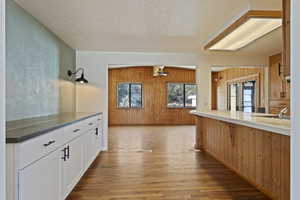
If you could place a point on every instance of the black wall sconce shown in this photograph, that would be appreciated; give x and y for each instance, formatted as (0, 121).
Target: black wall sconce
(81, 80)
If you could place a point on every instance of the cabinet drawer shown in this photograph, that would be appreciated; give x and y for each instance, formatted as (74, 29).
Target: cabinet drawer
(38, 147)
(74, 130)
(91, 123)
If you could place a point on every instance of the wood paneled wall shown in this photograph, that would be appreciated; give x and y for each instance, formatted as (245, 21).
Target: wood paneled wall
(154, 111)
(261, 157)
(219, 88)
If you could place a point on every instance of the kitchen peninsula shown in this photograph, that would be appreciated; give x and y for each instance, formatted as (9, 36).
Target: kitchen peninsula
(257, 148)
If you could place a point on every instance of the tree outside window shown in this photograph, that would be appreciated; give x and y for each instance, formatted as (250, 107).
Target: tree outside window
(182, 95)
(130, 95)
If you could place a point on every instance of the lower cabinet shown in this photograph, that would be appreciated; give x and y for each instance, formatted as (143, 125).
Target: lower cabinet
(72, 165)
(89, 148)
(42, 179)
(53, 173)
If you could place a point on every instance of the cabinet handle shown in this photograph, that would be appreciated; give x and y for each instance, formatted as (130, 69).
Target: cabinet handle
(231, 132)
(279, 69)
(49, 143)
(97, 131)
(65, 154)
(76, 130)
(68, 152)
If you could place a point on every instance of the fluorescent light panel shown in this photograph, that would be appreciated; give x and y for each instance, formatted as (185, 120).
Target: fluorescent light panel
(251, 30)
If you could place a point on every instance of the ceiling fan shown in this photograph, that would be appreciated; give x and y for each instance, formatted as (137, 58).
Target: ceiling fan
(159, 71)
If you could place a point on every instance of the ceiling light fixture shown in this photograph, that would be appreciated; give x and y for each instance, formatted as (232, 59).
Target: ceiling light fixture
(159, 71)
(248, 28)
(81, 80)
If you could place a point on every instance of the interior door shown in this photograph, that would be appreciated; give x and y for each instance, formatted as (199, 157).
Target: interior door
(73, 165)
(42, 180)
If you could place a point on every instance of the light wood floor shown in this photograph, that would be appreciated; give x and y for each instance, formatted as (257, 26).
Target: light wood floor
(158, 163)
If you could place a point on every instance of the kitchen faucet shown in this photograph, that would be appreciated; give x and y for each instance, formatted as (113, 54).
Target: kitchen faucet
(282, 112)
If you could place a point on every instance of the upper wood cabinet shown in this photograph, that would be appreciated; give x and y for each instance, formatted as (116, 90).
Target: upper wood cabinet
(279, 88)
(276, 78)
(286, 36)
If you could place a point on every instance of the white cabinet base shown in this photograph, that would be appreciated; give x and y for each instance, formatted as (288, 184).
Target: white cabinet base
(49, 166)
(41, 180)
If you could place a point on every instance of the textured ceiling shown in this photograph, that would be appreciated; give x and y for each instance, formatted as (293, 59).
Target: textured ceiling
(145, 25)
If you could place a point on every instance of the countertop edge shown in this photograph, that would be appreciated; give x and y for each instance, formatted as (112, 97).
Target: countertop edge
(47, 130)
(256, 125)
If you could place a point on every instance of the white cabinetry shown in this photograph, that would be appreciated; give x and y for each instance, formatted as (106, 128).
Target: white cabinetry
(92, 148)
(88, 149)
(72, 165)
(49, 166)
(41, 180)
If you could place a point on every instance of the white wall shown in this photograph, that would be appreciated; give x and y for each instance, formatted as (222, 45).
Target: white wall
(94, 96)
(203, 79)
(295, 98)
(2, 99)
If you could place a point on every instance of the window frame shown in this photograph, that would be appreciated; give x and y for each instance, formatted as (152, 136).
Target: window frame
(129, 94)
(253, 107)
(184, 96)
(241, 80)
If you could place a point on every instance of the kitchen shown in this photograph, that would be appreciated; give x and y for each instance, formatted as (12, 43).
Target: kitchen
(222, 85)
(239, 134)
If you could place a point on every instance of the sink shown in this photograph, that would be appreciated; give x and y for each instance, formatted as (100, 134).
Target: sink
(273, 116)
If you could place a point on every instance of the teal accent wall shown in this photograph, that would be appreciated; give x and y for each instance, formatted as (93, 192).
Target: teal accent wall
(36, 70)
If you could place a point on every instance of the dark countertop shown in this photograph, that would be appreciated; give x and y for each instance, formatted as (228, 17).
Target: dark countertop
(22, 130)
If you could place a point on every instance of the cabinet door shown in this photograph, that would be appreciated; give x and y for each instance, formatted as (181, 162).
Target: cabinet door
(41, 180)
(90, 148)
(73, 165)
(87, 149)
(101, 136)
(98, 141)
(276, 77)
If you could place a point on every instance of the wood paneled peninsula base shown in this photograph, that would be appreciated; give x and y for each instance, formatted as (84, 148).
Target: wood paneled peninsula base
(256, 148)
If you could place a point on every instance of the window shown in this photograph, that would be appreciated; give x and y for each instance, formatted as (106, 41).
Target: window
(248, 96)
(181, 95)
(233, 97)
(130, 95)
(241, 96)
